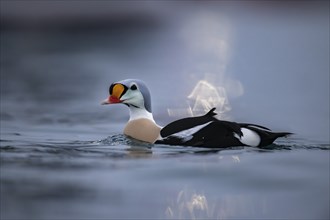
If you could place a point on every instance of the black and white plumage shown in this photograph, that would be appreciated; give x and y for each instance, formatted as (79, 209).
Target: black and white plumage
(202, 131)
(208, 131)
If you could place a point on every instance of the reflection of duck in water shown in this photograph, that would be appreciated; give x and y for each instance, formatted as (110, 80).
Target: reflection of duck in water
(202, 131)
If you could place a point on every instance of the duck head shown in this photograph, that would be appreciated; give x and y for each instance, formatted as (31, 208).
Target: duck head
(133, 93)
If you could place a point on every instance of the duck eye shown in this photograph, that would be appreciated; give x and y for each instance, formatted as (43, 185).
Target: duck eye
(133, 87)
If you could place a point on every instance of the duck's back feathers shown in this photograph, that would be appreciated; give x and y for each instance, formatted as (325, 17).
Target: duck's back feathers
(207, 131)
(202, 131)
(213, 134)
(187, 123)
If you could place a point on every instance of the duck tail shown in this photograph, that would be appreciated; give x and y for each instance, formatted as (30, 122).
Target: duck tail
(272, 136)
(282, 134)
(267, 136)
(211, 113)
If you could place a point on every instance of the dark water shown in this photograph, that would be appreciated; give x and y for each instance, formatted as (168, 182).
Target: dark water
(43, 178)
(63, 155)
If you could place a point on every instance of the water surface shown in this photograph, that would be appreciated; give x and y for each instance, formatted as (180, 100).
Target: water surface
(47, 178)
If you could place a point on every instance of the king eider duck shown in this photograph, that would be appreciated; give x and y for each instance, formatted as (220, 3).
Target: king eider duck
(203, 131)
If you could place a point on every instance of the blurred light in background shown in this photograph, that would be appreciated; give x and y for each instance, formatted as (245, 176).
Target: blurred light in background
(204, 97)
(206, 36)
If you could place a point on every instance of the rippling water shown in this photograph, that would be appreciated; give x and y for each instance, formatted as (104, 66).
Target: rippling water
(63, 155)
(115, 177)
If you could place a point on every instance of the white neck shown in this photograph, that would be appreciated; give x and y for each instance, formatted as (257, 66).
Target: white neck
(138, 113)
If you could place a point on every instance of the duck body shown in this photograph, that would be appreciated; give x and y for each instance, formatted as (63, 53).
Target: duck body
(208, 131)
(203, 131)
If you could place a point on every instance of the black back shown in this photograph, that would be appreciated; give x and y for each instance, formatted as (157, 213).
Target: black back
(217, 134)
(187, 123)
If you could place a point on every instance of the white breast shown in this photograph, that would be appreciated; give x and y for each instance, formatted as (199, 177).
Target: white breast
(142, 129)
